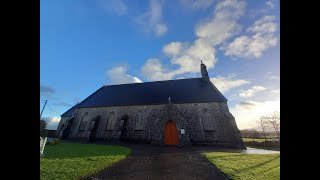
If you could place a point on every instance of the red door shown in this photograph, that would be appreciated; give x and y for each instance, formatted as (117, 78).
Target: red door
(170, 134)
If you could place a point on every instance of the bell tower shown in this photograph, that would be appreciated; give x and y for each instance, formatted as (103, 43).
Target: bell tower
(204, 71)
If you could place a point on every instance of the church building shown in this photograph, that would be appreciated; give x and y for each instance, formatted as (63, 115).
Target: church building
(174, 112)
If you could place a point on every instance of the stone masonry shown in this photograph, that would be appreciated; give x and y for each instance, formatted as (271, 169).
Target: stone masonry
(204, 123)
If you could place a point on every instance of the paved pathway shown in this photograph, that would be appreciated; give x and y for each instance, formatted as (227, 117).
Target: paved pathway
(154, 162)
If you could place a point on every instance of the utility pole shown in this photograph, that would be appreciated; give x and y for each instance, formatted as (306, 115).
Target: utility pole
(43, 108)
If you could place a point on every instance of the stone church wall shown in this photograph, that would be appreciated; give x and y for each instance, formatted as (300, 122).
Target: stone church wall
(204, 123)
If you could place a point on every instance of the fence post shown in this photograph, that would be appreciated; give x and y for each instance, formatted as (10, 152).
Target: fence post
(42, 144)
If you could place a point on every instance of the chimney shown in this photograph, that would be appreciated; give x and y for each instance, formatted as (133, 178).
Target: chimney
(204, 72)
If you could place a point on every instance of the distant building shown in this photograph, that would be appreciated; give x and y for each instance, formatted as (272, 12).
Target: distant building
(174, 112)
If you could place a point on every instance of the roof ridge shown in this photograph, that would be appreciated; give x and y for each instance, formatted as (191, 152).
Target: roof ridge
(149, 82)
(91, 95)
(215, 88)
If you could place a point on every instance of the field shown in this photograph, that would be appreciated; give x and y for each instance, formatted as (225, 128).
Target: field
(270, 144)
(247, 166)
(75, 161)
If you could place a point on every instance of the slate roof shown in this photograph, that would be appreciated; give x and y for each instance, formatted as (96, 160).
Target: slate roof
(69, 112)
(194, 90)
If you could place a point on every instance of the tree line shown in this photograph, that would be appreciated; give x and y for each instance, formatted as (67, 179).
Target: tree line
(270, 125)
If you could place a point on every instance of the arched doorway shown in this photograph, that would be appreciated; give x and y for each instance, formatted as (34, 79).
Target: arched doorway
(170, 134)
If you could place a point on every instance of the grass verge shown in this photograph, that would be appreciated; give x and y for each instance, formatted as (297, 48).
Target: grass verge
(246, 166)
(75, 161)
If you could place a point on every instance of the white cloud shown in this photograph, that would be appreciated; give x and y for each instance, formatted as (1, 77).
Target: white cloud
(52, 122)
(270, 4)
(189, 59)
(224, 84)
(264, 25)
(196, 4)
(248, 113)
(152, 19)
(276, 91)
(210, 33)
(172, 48)
(271, 76)
(63, 104)
(55, 120)
(154, 70)
(274, 77)
(250, 92)
(272, 93)
(254, 46)
(247, 104)
(113, 6)
(262, 39)
(118, 75)
(224, 24)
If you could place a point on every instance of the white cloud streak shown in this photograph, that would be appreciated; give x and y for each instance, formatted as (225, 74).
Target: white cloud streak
(273, 77)
(154, 70)
(276, 91)
(252, 91)
(47, 91)
(152, 20)
(118, 75)
(270, 4)
(224, 24)
(224, 84)
(117, 7)
(253, 46)
(196, 4)
(172, 49)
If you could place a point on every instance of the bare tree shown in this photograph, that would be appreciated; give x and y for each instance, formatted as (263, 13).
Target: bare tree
(263, 124)
(273, 120)
(255, 134)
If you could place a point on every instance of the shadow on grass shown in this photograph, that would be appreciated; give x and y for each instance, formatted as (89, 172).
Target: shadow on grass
(223, 157)
(257, 165)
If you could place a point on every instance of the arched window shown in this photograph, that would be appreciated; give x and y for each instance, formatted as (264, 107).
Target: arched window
(207, 119)
(111, 121)
(139, 122)
(83, 122)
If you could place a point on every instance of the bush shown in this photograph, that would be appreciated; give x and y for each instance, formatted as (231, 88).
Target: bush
(43, 130)
(54, 141)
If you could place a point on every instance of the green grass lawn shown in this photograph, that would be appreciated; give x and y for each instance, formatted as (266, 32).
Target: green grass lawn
(247, 166)
(75, 161)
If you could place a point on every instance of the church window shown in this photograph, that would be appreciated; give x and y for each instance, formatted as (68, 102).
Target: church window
(111, 121)
(83, 122)
(139, 122)
(207, 119)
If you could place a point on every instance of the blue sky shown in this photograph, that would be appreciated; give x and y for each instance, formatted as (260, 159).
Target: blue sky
(87, 44)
